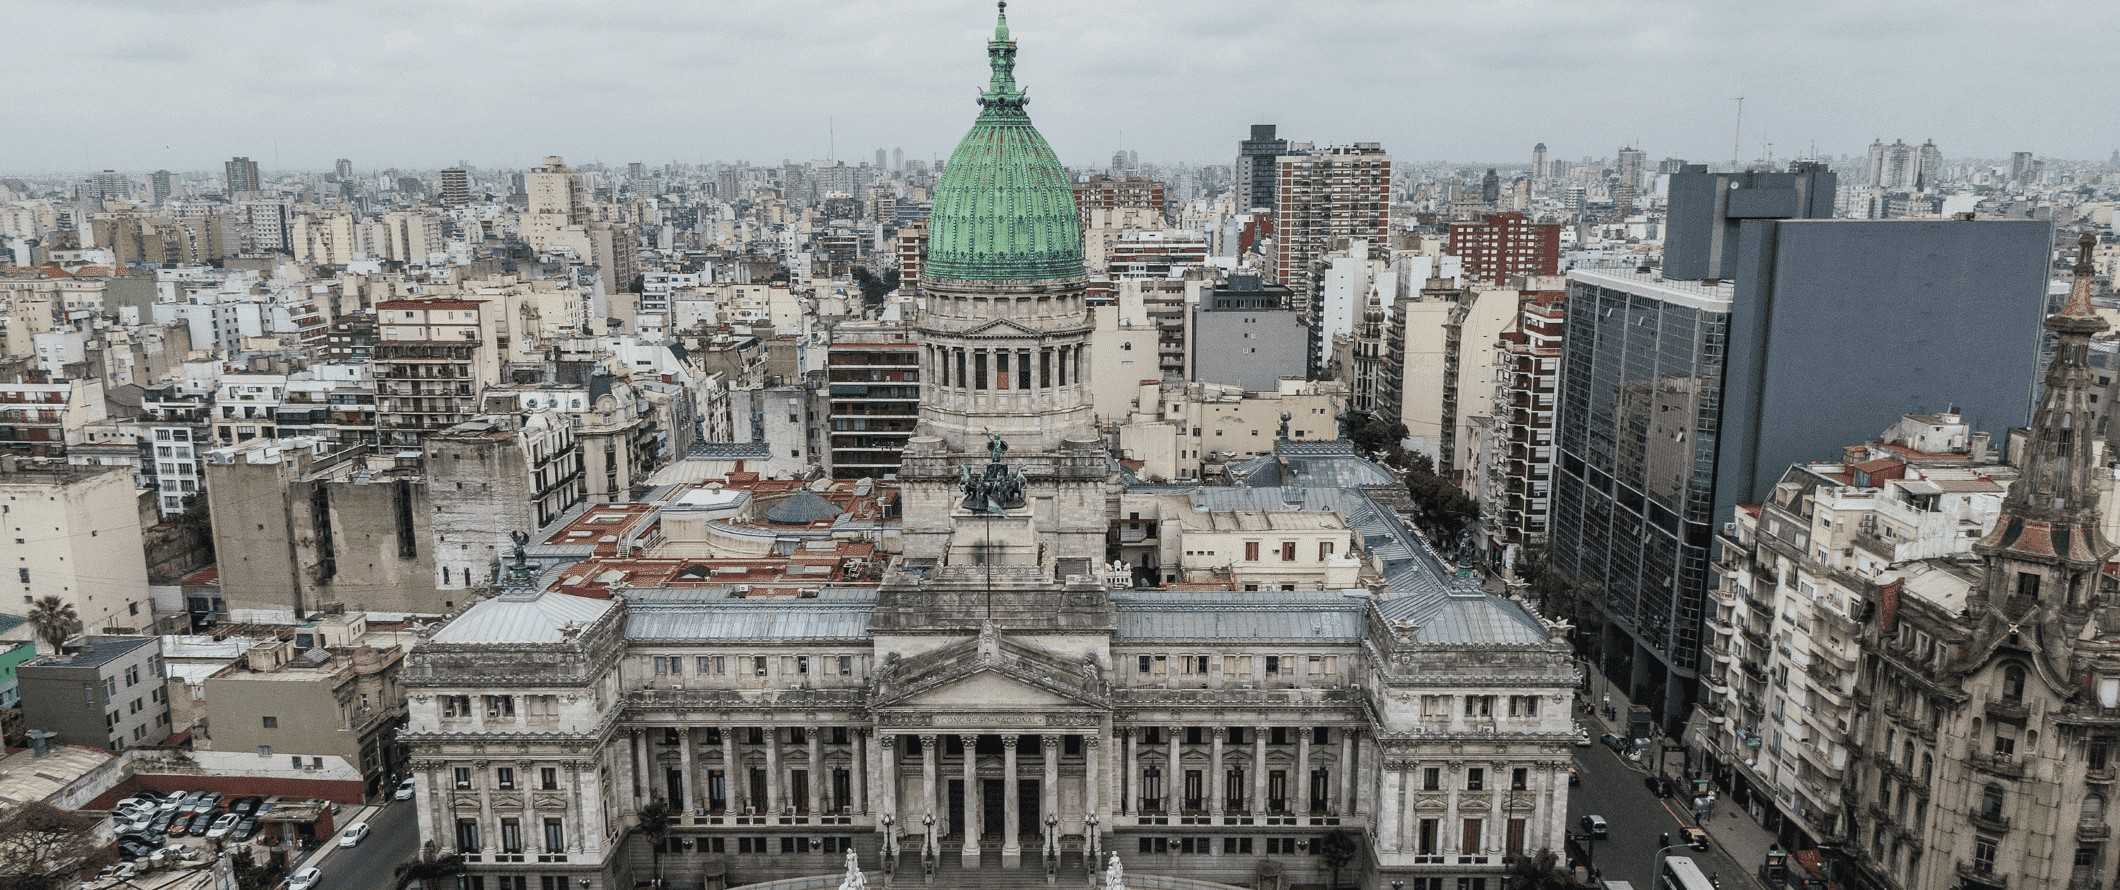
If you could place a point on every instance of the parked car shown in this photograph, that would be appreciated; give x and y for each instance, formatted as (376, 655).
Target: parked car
(245, 830)
(207, 803)
(164, 821)
(1595, 826)
(244, 806)
(355, 835)
(1617, 744)
(405, 790)
(132, 807)
(1582, 736)
(178, 802)
(201, 822)
(306, 879)
(130, 849)
(222, 825)
(1657, 785)
(181, 827)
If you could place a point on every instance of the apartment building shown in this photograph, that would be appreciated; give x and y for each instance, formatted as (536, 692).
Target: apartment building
(1516, 481)
(1795, 573)
(75, 534)
(1327, 194)
(283, 701)
(1500, 247)
(98, 692)
(433, 357)
(872, 374)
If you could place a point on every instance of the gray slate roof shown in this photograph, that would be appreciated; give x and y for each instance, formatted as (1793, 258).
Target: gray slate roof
(521, 618)
(840, 613)
(1315, 616)
(802, 508)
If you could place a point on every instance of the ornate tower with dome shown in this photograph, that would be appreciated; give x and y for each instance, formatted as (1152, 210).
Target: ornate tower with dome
(1005, 332)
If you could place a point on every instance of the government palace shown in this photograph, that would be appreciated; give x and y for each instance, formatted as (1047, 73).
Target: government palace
(1307, 684)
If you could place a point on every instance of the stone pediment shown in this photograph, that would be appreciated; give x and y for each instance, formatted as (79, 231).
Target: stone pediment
(993, 672)
(1002, 327)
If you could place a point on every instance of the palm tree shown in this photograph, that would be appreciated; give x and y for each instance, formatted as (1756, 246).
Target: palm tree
(1338, 848)
(655, 821)
(55, 621)
(428, 869)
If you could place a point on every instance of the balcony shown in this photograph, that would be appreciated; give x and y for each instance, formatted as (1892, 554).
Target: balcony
(2007, 710)
(1993, 823)
(2099, 775)
(1981, 875)
(2091, 832)
(1999, 764)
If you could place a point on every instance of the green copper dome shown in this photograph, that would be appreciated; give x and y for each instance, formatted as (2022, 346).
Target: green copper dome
(1005, 210)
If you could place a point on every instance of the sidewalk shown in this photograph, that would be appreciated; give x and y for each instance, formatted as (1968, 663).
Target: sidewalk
(1736, 832)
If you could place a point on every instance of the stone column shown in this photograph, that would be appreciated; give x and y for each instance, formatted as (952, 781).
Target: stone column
(1392, 779)
(1049, 790)
(1343, 785)
(1173, 772)
(732, 772)
(642, 782)
(887, 770)
(773, 795)
(1258, 770)
(1215, 782)
(1091, 753)
(690, 765)
(622, 783)
(974, 811)
(1301, 780)
(927, 780)
(1130, 781)
(817, 775)
(1011, 824)
(858, 781)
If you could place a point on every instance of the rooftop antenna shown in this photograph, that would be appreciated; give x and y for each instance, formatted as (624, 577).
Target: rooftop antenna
(1737, 151)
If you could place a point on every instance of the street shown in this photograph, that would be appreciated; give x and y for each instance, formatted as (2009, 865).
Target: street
(1615, 791)
(373, 864)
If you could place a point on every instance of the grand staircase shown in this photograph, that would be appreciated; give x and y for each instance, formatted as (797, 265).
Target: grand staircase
(950, 873)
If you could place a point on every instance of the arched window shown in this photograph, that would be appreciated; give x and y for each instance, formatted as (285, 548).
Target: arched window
(2013, 684)
(2092, 812)
(1991, 802)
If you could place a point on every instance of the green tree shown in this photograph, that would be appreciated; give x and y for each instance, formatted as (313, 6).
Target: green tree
(655, 822)
(41, 847)
(1540, 872)
(1339, 849)
(428, 869)
(54, 620)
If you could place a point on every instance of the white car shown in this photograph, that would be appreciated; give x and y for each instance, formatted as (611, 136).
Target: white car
(355, 835)
(1582, 736)
(306, 879)
(222, 826)
(132, 808)
(405, 791)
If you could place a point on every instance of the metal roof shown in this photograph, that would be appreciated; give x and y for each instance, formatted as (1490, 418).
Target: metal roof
(1321, 616)
(515, 618)
(775, 620)
(1467, 619)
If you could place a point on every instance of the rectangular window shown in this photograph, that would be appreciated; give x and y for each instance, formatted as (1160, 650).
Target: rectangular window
(555, 837)
(758, 665)
(467, 835)
(1479, 706)
(1251, 551)
(504, 778)
(1470, 844)
(1273, 665)
(1426, 843)
(1432, 779)
(271, 722)
(548, 778)
(511, 835)
(1324, 550)
(462, 775)
(1519, 779)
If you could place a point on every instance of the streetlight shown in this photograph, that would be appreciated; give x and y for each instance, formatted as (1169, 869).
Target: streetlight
(1052, 837)
(890, 844)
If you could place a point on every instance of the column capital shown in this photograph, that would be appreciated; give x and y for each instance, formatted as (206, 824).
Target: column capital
(1007, 741)
(970, 740)
(888, 740)
(1262, 728)
(927, 740)
(1175, 731)
(1093, 740)
(1049, 742)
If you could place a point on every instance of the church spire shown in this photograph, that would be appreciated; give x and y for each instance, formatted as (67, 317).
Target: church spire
(2047, 545)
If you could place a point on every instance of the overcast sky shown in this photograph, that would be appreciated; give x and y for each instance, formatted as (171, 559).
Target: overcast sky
(183, 84)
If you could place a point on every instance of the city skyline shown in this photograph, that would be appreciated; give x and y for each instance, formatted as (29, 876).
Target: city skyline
(420, 87)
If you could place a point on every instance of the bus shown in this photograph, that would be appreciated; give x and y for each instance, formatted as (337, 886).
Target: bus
(1680, 873)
